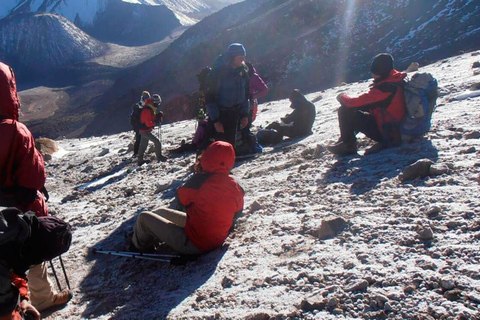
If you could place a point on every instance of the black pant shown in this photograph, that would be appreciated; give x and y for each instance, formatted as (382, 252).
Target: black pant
(229, 120)
(136, 144)
(353, 121)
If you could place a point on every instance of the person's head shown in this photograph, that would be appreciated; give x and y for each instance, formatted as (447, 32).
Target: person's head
(157, 100)
(382, 65)
(236, 54)
(296, 98)
(218, 157)
(9, 102)
(145, 96)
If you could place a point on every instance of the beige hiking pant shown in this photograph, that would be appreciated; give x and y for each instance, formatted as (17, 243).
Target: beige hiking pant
(163, 225)
(42, 293)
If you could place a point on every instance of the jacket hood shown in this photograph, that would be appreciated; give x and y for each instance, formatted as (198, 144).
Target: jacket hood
(9, 103)
(218, 157)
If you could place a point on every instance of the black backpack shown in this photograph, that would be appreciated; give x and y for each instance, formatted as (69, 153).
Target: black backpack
(135, 117)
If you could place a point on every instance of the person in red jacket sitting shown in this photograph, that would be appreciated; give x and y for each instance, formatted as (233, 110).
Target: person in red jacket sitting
(22, 180)
(150, 117)
(212, 199)
(377, 113)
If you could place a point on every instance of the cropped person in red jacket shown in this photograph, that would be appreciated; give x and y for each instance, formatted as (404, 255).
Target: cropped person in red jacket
(151, 116)
(211, 198)
(377, 113)
(22, 180)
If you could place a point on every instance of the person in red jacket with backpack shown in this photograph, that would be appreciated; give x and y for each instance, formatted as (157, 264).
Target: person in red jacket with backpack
(377, 113)
(22, 181)
(212, 200)
(150, 117)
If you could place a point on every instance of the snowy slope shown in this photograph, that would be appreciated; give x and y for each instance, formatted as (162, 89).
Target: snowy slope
(273, 265)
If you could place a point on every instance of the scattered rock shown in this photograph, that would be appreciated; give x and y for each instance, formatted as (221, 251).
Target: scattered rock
(452, 295)
(472, 135)
(473, 297)
(88, 168)
(319, 151)
(259, 316)
(330, 228)
(227, 282)
(439, 169)
(476, 72)
(332, 302)
(409, 289)
(475, 86)
(425, 234)
(476, 64)
(361, 285)
(433, 212)
(161, 187)
(447, 284)
(468, 150)
(47, 147)
(421, 168)
(104, 152)
(316, 302)
(255, 206)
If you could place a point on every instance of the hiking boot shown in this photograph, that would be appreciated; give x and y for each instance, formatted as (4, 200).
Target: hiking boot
(376, 148)
(162, 158)
(343, 148)
(142, 162)
(59, 299)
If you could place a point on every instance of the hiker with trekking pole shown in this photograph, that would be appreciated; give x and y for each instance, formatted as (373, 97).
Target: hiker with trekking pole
(150, 117)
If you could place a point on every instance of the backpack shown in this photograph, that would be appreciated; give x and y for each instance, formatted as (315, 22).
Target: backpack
(420, 97)
(135, 117)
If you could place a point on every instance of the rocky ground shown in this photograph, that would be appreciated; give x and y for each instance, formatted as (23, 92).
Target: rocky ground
(393, 235)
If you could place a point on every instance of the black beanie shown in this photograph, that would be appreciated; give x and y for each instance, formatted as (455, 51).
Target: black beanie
(382, 64)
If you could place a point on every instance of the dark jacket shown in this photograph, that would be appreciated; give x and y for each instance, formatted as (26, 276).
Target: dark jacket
(385, 99)
(22, 170)
(302, 117)
(211, 198)
(227, 89)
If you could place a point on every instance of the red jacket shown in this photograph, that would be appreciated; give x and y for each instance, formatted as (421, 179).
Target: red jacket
(386, 102)
(21, 165)
(147, 117)
(212, 198)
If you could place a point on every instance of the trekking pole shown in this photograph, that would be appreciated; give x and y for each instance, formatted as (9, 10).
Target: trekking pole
(64, 272)
(55, 274)
(138, 255)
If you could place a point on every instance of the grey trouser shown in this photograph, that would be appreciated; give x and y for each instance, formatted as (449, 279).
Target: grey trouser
(163, 225)
(148, 136)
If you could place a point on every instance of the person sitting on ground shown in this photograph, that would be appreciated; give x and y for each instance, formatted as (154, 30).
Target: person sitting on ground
(212, 199)
(138, 137)
(151, 116)
(377, 113)
(24, 242)
(294, 125)
(226, 97)
(22, 182)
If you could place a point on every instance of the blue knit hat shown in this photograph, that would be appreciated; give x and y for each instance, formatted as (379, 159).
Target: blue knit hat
(236, 49)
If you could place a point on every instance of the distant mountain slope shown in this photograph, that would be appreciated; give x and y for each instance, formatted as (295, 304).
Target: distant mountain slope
(128, 22)
(38, 43)
(305, 44)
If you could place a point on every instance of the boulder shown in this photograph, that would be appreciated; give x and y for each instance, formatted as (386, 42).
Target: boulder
(331, 227)
(421, 169)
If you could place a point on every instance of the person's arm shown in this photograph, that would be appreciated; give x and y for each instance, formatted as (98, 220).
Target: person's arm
(30, 167)
(187, 193)
(148, 118)
(373, 97)
(211, 85)
(258, 88)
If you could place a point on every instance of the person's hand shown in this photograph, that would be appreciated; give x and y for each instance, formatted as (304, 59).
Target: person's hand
(243, 122)
(339, 97)
(218, 127)
(160, 116)
(27, 308)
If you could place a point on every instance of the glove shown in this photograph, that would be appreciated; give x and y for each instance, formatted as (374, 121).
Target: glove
(159, 116)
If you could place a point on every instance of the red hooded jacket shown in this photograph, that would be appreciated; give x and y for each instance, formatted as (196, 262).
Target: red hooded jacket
(212, 198)
(386, 102)
(21, 165)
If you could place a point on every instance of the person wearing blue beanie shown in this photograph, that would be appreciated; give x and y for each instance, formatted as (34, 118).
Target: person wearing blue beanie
(236, 49)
